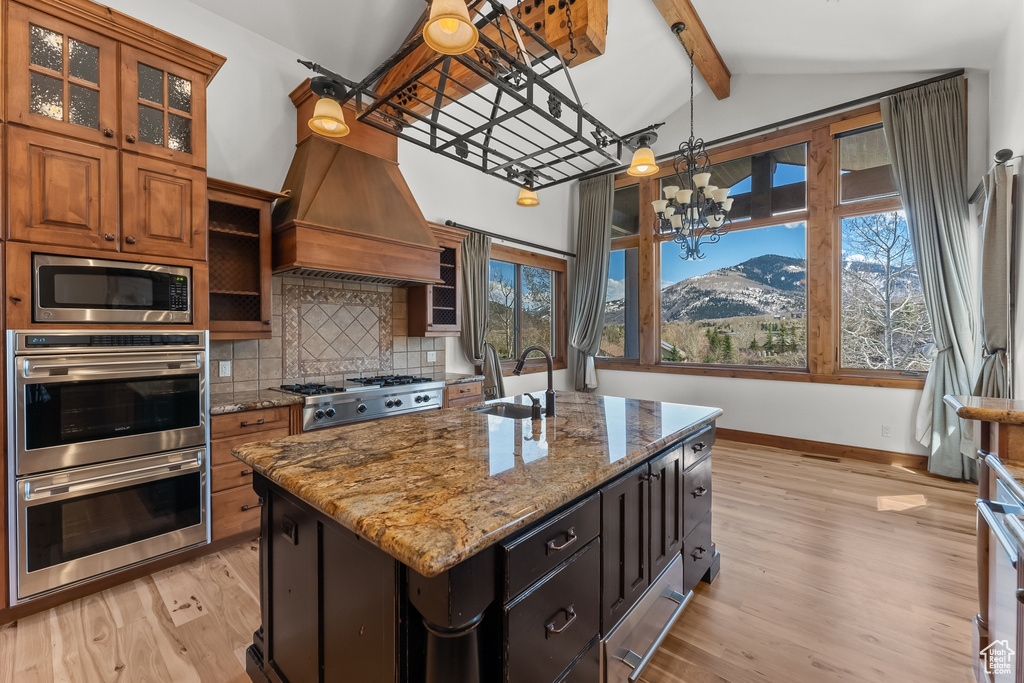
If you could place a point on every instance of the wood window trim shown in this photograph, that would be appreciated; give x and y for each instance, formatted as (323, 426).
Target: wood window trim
(560, 312)
(823, 219)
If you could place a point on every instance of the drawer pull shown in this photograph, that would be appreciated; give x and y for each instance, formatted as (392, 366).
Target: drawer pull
(245, 473)
(465, 391)
(698, 552)
(698, 447)
(246, 508)
(570, 615)
(570, 538)
(639, 662)
(259, 422)
(1020, 595)
(700, 491)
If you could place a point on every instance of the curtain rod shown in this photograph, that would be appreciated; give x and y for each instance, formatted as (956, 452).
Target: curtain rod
(792, 120)
(505, 238)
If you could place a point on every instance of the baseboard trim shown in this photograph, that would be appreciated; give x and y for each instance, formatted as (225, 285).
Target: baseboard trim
(919, 462)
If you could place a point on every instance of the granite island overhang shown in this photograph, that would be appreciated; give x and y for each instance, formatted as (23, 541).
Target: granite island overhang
(403, 549)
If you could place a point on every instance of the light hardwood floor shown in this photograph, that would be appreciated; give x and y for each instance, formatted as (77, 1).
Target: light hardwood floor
(831, 571)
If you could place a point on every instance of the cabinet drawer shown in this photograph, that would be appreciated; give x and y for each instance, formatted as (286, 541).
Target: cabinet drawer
(698, 551)
(220, 449)
(230, 475)
(249, 422)
(233, 512)
(549, 626)
(698, 445)
(587, 667)
(532, 556)
(696, 494)
(461, 392)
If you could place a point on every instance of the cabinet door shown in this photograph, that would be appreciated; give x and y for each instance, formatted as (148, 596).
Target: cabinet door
(62, 191)
(60, 77)
(625, 570)
(666, 510)
(164, 208)
(163, 108)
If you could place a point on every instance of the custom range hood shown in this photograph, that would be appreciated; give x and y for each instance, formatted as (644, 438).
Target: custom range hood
(350, 214)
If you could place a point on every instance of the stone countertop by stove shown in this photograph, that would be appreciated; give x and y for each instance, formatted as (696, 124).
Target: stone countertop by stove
(1003, 410)
(238, 402)
(434, 488)
(451, 378)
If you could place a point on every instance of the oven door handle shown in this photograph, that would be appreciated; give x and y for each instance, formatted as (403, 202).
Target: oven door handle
(113, 479)
(1009, 534)
(190, 362)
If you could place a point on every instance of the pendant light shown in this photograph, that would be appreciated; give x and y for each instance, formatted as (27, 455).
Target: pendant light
(329, 119)
(643, 163)
(527, 197)
(449, 30)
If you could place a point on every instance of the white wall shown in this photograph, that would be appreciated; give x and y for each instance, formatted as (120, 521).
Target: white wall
(1006, 129)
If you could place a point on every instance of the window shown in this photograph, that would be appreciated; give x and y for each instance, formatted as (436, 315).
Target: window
(621, 335)
(744, 304)
(885, 325)
(864, 169)
(526, 305)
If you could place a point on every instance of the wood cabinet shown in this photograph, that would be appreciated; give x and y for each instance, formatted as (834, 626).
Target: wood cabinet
(666, 473)
(234, 506)
(163, 208)
(626, 570)
(463, 393)
(63, 191)
(239, 256)
(436, 310)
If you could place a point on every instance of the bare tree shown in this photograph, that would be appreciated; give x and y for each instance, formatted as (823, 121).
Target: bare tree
(884, 320)
(501, 324)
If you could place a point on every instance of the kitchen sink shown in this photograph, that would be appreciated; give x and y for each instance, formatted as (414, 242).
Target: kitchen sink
(509, 410)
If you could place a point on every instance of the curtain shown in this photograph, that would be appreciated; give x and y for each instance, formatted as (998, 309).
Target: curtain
(476, 276)
(995, 278)
(925, 130)
(593, 238)
(494, 382)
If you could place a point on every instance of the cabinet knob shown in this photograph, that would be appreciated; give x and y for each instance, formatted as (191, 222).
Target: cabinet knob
(108, 132)
(130, 139)
(129, 240)
(698, 492)
(1020, 595)
(266, 322)
(699, 552)
(108, 236)
(15, 299)
(698, 447)
(246, 473)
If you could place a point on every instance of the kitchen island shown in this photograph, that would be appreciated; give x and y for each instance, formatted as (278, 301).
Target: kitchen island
(453, 545)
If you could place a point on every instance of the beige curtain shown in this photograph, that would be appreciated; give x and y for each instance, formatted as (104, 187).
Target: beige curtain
(925, 130)
(476, 276)
(995, 279)
(593, 239)
(494, 382)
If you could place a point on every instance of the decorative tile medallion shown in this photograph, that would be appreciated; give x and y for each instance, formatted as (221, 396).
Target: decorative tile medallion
(330, 331)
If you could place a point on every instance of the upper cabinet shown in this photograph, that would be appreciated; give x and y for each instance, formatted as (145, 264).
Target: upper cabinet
(436, 310)
(163, 108)
(61, 77)
(163, 207)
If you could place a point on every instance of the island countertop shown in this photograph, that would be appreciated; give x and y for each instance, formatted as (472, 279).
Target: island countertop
(434, 488)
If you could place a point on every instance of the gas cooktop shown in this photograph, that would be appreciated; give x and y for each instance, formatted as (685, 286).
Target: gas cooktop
(391, 380)
(329, 405)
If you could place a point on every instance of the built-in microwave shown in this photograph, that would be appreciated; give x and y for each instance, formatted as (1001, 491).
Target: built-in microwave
(70, 289)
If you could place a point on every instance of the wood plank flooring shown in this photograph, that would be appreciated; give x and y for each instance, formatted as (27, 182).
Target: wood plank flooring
(831, 571)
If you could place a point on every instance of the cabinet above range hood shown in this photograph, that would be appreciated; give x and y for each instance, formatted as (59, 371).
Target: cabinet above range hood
(350, 214)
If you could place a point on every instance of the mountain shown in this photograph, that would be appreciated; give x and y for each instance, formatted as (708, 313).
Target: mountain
(764, 285)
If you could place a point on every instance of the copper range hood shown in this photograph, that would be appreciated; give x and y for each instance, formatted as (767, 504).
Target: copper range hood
(350, 214)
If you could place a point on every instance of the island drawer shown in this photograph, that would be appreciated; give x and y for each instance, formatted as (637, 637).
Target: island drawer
(587, 667)
(696, 494)
(220, 449)
(249, 422)
(230, 475)
(698, 552)
(547, 627)
(698, 445)
(234, 511)
(530, 557)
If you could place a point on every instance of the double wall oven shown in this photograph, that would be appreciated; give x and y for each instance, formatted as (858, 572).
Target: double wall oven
(108, 434)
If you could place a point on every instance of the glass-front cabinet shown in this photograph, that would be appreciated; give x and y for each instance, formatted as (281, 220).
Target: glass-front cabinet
(163, 108)
(61, 78)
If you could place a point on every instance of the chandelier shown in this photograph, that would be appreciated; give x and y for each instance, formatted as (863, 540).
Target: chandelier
(695, 210)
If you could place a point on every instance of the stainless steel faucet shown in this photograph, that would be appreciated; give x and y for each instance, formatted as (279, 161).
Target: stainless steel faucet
(549, 396)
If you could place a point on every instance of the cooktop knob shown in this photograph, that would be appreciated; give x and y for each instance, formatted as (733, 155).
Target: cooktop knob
(389, 403)
(361, 408)
(398, 402)
(318, 415)
(331, 412)
(419, 399)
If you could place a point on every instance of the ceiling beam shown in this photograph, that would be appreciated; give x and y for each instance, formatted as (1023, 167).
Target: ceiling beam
(696, 40)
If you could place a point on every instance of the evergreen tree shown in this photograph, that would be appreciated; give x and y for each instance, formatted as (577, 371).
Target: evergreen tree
(754, 346)
(769, 342)
(673, 355)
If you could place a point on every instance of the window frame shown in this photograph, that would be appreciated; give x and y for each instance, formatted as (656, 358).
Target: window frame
(559, 307)
(823, 225)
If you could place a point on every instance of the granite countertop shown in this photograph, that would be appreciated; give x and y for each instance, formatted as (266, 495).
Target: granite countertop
(1003, 410)
(451, 378)
(434, 488)
(241, 401)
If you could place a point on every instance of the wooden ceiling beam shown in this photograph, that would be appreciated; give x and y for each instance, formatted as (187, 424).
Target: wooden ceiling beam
(697, 41)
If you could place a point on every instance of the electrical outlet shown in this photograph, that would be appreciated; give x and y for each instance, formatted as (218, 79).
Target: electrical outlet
(225, 368)
(886, 431)
(431, 356)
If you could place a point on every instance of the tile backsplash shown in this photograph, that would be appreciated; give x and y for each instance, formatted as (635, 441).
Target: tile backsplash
(327, 331)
